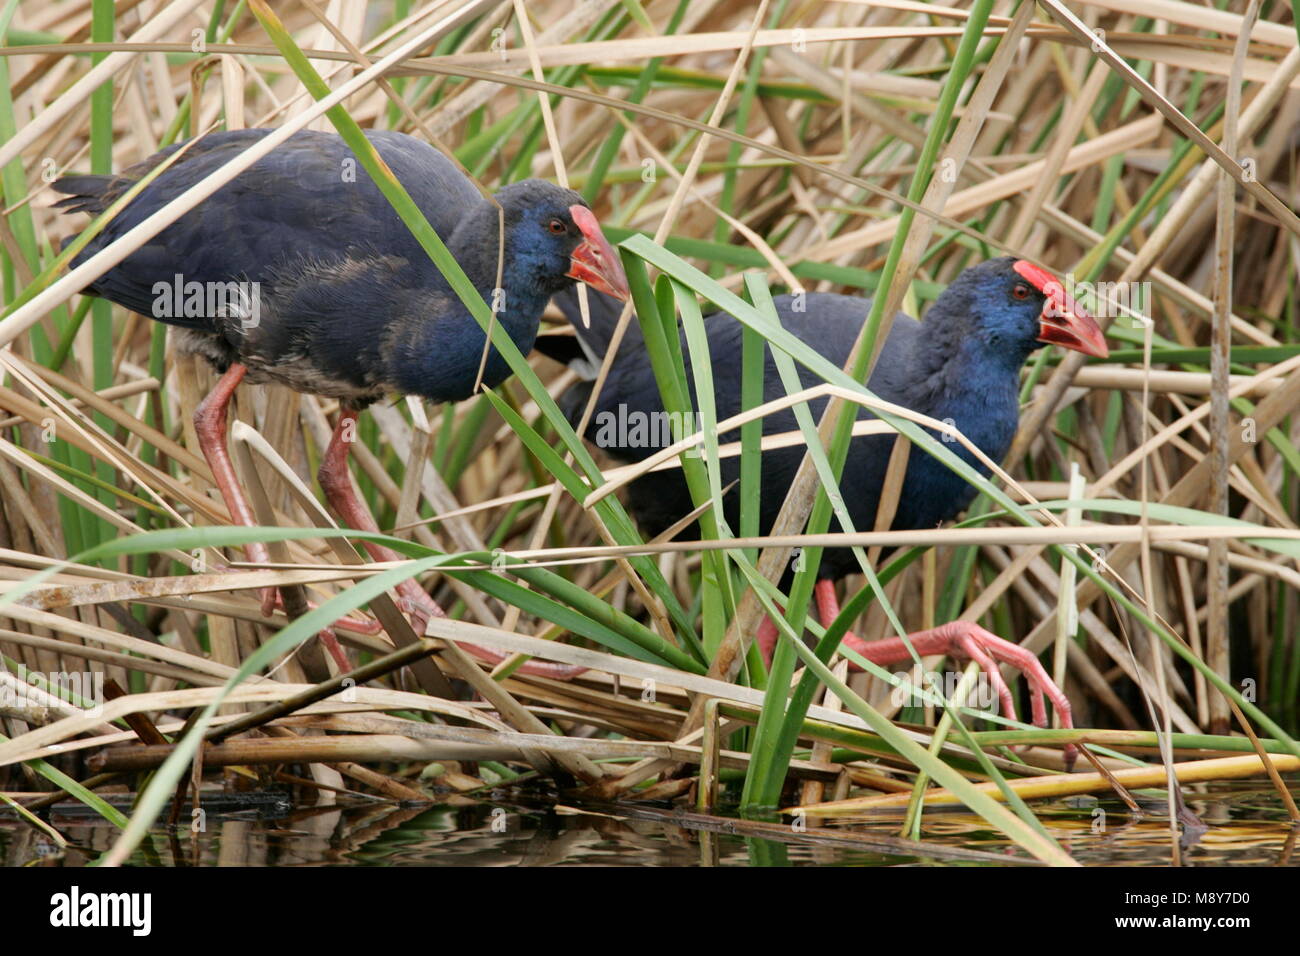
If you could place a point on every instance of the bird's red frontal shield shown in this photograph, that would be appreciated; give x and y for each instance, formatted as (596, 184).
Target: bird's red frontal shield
(1064, 322)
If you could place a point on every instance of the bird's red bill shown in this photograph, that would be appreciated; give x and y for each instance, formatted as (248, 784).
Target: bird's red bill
(1064, 322)
(594, 261)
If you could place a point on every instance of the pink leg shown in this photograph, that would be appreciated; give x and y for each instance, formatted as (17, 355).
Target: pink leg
(329, 640)
(967, 639)
(336, 482)
(210, 426)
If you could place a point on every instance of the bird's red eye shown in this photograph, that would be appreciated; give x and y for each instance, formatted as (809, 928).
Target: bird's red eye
(1020, 291)
(557, 227)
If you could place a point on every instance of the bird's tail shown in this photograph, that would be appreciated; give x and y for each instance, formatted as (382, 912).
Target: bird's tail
(92, 194)
(89, 193)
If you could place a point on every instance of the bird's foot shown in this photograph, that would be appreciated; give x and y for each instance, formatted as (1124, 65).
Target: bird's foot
(414, 602)
(533, 668)
(330, 641)
(272, 602)
(967, 639)
(268, 598)
(327, 635)
(964, 638)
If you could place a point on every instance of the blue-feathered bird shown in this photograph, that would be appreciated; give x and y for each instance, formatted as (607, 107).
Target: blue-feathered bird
(299, 272)
(961, 364)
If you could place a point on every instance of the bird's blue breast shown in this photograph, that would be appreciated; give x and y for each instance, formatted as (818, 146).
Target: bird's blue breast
(986, 410)
(441, 359)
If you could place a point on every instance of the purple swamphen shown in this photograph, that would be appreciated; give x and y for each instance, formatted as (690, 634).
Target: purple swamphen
(961, 364)
(299, 272)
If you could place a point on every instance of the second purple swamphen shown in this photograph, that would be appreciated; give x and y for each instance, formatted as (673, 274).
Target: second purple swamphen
(961, 364)
(322, 287)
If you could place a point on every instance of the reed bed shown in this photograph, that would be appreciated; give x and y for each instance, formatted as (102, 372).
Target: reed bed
(1141, 536)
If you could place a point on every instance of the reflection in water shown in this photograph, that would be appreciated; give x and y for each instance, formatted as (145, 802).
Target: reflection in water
(1246, 827)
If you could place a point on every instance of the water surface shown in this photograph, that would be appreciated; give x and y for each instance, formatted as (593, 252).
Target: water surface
(1245, 826)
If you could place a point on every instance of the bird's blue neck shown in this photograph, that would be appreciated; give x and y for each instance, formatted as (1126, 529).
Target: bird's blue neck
(983, 395)
(972, 383)
(443, 362)
(519, 300)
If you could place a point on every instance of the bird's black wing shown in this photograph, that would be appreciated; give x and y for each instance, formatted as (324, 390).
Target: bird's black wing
(828, 323)
(308, 202)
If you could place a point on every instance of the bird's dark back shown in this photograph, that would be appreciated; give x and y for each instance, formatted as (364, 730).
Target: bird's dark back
(308, 201)
(829, 324)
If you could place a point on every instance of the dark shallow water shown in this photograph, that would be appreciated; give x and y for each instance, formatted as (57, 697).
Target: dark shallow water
(1246, 826)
